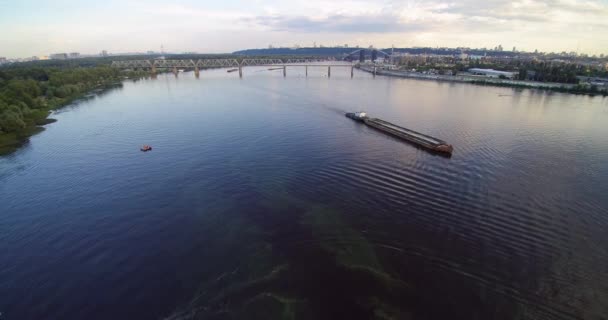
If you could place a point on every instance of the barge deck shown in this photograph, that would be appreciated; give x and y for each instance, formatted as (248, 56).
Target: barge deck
(412, 136)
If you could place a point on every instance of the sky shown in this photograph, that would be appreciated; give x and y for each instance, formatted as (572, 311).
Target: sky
(39, 28)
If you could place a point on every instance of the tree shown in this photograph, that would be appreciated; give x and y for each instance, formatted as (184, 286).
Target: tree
(10, 120)
(523, 74)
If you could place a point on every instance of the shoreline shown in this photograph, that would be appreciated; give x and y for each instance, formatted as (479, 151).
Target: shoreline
(12, 141)
(549, 86)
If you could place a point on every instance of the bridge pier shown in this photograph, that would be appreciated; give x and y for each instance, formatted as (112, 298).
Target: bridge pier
(240, 71)
(352, 72)
(175, 71)
(329, 71)
(197, 72)
(284, 71)
(306, 71)
(374, 71)
(153, 70)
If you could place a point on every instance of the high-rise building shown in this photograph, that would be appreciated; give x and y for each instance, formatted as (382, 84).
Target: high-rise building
(74, 55)
(104, 53)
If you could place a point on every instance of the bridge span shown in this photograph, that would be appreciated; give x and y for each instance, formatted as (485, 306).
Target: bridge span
(197, 65)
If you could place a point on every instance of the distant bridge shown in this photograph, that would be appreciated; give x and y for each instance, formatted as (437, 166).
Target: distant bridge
(361, 54)
(176, 64)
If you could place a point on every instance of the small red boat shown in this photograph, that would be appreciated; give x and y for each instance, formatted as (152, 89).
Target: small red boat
(145, 148)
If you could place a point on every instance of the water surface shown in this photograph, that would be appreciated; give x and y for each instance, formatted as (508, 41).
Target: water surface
(261, 200)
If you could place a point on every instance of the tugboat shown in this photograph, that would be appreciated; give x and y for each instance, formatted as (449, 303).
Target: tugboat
(357, 116)
(411, 136)
(146, 148)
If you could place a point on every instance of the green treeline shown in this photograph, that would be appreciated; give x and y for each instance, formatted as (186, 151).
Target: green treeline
(28, 93)
(543, 71)
(576, 89)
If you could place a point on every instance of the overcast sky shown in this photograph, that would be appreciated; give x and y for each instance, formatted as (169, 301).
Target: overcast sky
(30, 28)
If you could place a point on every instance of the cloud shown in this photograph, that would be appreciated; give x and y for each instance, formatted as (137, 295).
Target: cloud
(338, 24)
(530, 10)
(432, 16)
(39, 27)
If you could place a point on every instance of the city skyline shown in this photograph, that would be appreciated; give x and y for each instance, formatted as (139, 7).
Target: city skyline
(41, 28)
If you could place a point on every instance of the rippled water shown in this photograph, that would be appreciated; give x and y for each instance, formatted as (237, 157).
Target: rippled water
(261, 200)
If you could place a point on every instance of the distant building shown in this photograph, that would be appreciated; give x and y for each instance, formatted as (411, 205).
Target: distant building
(413, 59)
(3, 60)
(492, 73)
(59, 56)
(104, 53)
(594, 81)
(74, 55)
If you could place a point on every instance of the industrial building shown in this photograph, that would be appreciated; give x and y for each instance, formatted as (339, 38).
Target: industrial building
(492, 73)
(59, 56)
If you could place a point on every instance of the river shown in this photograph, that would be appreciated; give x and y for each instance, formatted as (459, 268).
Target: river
(260, 200)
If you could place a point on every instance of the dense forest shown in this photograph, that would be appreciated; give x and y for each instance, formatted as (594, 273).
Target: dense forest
(29, 92)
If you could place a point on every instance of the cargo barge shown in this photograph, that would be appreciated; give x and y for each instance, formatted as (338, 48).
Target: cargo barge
(412, 136)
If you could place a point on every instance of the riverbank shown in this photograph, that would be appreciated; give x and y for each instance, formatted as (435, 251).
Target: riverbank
(26, 102)
(11, 141)
(550, 86)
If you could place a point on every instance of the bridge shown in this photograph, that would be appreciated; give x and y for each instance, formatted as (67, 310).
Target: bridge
(197, 65)
(361, 54)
